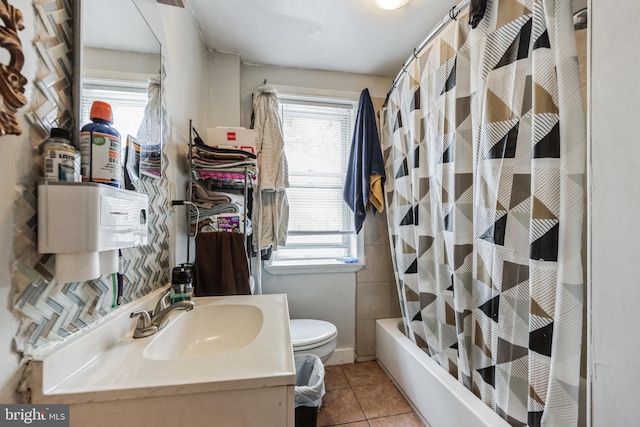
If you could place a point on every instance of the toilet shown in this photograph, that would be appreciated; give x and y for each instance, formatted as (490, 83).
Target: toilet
(313, 336)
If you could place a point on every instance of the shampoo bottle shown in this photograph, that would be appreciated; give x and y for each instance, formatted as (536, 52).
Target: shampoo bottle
(61, 159)
(101, 148)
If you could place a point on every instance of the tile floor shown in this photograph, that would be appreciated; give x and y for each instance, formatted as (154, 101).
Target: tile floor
(361, 395)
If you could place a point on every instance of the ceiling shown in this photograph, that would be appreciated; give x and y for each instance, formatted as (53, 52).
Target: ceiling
(337, 35)
(128, 31)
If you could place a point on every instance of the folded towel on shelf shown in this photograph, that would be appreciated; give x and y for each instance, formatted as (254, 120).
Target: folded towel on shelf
(210, 158)
(226, 179)
(203, 148)
(204, 198)
(239, 165)
(221, 266)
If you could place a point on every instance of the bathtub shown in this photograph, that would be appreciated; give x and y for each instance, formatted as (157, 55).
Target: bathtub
(438, 398)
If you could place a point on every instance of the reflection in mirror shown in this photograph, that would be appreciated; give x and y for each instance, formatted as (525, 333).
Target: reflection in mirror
(121, 65)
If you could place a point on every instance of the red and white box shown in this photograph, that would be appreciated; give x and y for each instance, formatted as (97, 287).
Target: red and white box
(232, 137)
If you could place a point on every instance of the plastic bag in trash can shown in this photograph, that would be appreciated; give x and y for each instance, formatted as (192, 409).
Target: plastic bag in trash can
(309, 388)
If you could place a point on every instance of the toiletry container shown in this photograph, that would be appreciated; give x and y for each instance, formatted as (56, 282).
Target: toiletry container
(101, 148)
(313, 336)
(181, 283)
(103, 220)
(60, 157)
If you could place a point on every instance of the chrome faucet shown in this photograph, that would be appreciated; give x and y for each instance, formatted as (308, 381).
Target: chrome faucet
(163, 302)
(151, 322)
(160, 319)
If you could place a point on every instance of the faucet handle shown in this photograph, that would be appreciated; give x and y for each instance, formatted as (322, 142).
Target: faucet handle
(163, 302)
(144, 319)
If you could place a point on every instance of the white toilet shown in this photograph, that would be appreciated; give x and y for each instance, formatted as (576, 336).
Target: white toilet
(313, 336)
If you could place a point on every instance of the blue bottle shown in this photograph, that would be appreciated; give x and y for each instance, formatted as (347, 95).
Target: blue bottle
(101, 148)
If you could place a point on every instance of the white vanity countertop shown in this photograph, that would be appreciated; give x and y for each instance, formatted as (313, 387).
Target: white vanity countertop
(120, 370)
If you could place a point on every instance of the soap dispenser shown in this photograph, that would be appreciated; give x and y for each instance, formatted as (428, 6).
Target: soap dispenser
(181, 283)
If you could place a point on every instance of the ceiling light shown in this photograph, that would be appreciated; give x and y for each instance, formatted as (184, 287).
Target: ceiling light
(390, 4)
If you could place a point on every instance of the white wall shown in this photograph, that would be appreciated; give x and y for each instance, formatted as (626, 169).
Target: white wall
(615, 174)
(329, 297)
(186, 66)
(16, 150)
(254, 76)
(232, 83)
(121, 64)
(224, 84)
(185, 61)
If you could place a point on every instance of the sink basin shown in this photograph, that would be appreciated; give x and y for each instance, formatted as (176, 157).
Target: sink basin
(205, 331)
(227, 362)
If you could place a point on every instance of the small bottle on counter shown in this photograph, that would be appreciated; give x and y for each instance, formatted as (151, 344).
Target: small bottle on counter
(181, 283)
(101, 148)
(61, 159)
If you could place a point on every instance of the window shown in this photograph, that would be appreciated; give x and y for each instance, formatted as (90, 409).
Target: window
(317, 134)
(127, 99)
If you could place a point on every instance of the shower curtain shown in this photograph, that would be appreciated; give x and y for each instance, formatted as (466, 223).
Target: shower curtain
(484, 144)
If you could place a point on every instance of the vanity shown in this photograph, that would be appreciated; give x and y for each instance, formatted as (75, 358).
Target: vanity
(227, 362)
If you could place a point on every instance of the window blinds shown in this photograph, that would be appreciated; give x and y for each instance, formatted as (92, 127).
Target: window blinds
(317, 141)
(127, 101)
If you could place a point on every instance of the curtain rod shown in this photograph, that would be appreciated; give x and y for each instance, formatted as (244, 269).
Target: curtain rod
(452, 15)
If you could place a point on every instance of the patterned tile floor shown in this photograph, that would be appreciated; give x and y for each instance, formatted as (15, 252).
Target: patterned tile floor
(361, 395)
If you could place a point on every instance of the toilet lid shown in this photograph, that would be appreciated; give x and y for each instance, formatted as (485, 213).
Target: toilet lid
(310, 331)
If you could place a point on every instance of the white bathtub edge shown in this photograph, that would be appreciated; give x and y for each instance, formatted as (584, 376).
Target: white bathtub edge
(438, 397)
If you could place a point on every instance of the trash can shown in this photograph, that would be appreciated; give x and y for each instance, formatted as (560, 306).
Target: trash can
(309, 389)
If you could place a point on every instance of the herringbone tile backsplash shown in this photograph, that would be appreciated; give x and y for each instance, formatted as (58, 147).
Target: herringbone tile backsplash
(49, 311)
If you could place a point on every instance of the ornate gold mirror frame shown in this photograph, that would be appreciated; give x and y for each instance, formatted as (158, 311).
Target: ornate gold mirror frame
(12, 82)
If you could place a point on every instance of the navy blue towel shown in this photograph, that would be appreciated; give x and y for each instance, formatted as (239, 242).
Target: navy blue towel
(365, 170)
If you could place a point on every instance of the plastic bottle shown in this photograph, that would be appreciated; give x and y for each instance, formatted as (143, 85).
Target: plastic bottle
(181, 283)
(61, 159)
(101, 148)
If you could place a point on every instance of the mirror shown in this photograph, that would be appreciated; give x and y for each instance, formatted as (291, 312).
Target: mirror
(121, 65)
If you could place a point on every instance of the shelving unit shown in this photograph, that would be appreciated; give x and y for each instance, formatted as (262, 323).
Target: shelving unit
(246, 171)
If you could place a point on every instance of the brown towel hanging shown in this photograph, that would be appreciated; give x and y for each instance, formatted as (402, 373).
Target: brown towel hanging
(477, 9)
(221, 266)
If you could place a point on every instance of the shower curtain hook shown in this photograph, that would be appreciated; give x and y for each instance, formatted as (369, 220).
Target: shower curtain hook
(453, 14)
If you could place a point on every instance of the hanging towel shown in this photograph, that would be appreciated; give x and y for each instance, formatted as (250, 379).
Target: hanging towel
(221, 266)
(272, 162)
(271, 207)
(364, 181)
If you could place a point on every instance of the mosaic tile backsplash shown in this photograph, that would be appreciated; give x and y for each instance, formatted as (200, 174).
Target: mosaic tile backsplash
(49, 311)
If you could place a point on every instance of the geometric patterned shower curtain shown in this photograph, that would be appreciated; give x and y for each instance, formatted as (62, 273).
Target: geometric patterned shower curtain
(484, 144)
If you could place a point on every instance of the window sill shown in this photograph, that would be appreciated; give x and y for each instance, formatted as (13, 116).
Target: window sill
(311, 267)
